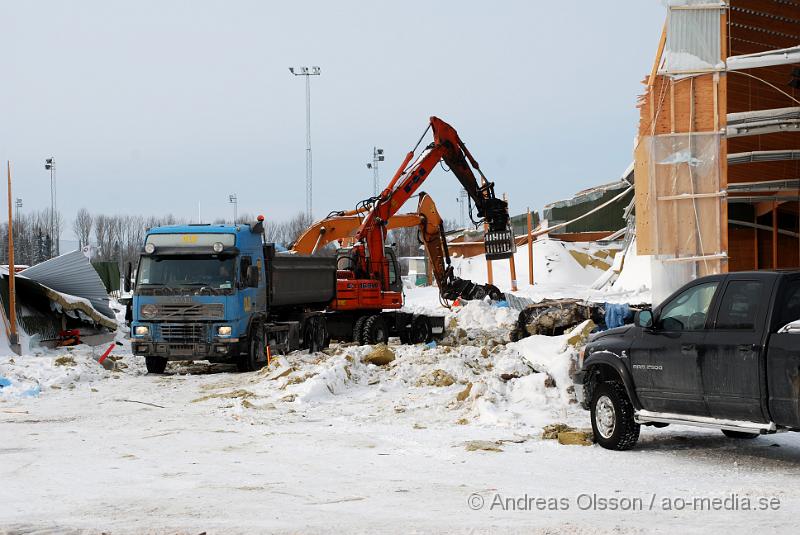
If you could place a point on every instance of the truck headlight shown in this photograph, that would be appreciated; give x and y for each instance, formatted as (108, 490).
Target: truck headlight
(141, 330)
(224, 330)
(149, 248)
(148, 311)
(217, 247)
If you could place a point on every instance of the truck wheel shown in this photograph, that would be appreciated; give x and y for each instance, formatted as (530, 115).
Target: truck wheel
(739, 434)
(155, 364)
(358, 330)
(316, 334)
(612, 417)
(256, 357)
(375, 331)
(420, 330)
(405, 336)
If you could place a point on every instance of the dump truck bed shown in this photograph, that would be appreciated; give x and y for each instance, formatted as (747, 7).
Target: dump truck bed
(296, 280)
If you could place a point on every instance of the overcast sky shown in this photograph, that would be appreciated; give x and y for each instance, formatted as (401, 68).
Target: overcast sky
(152, 106)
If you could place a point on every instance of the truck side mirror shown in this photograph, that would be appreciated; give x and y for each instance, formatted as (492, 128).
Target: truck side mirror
(252, 276)
(644, 319)
(128, 272)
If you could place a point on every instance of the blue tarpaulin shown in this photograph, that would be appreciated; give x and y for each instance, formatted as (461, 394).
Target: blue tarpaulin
(616, 314)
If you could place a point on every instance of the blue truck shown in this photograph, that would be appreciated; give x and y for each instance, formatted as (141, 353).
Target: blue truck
(219, 293)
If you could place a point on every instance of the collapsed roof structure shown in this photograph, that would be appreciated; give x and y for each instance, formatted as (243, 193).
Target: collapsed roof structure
(60, 294)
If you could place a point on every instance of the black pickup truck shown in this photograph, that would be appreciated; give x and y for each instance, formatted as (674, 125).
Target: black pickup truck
(722, 352)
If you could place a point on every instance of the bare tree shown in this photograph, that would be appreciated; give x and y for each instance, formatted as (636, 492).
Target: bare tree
(100, 233)
(294, 227)
(245, 218)
(32, 241)
(82, 227)
(406, 241)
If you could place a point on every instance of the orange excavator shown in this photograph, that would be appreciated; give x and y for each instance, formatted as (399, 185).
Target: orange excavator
(343, 228)
(368, 276)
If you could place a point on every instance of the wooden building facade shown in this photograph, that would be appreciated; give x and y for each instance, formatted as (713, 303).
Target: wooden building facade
(717, 159)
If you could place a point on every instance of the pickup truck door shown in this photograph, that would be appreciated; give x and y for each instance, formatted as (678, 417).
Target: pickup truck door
(783, 357)
(730, 366)
(666, 358)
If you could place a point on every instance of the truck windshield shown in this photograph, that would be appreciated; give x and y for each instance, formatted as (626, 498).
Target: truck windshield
(182, 271)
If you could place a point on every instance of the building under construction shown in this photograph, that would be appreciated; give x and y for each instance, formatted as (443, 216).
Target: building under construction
(717, 158)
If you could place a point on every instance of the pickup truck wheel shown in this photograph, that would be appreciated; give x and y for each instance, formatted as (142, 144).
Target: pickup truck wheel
(155, 364)
(358, 330)
(612, 417)
(739, 434)
(375, 331)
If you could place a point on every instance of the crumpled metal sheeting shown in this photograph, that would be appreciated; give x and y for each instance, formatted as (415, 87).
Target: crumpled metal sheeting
(72, 274)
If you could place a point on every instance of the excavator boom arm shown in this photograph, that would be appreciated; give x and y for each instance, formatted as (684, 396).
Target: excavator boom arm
(432, 233)
(447, 147)
(343, 228)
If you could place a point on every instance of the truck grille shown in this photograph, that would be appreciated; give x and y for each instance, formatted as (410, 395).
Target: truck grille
(210, 311)
(183, 332)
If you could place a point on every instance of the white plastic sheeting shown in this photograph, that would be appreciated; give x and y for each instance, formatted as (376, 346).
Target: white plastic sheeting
(693, 38)
(684, 195)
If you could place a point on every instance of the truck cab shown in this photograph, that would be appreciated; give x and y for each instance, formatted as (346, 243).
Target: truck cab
(218, 293)
(195, 292)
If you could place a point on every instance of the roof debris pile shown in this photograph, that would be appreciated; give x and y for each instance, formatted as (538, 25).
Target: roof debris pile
(63, 294)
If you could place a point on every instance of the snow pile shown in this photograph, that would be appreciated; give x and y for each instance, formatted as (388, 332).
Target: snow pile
(472, 377)
(29, 376)
(550, 354)
(422, 300)
(635, 275)
(481, 320)
(39, 369)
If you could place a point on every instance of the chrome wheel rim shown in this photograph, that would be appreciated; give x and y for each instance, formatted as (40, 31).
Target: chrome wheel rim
(605, 417)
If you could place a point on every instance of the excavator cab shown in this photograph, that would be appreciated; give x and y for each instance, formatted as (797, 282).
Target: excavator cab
(348, 266)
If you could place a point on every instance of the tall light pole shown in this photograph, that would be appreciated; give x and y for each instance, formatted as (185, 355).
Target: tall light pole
(17, 205)
(462, 201)
(50, 165)
(307, 72)
(377, 156)
(235, 202)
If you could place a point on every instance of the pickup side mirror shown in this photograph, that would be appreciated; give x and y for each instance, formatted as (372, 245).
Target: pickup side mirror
(644, 319)
(128, 272)
(252, 276)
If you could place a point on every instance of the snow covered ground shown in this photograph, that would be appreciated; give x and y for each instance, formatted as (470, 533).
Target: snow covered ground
(443, 439)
